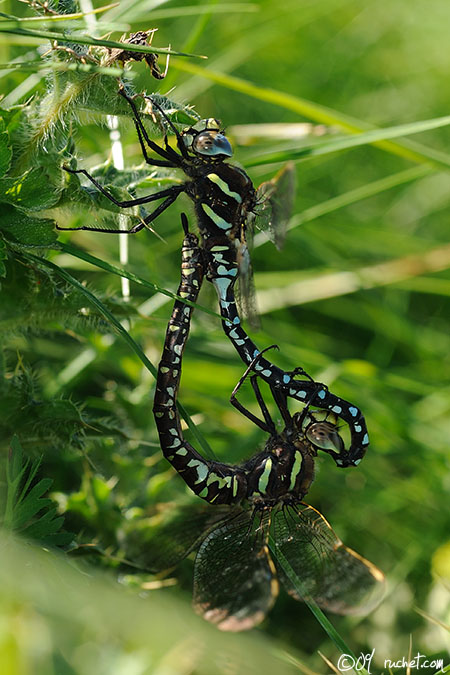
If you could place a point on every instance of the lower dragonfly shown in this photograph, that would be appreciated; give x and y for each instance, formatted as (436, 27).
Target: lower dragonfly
(256, 503)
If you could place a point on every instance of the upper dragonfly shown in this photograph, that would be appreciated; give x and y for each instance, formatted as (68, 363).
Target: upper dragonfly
(224, 197)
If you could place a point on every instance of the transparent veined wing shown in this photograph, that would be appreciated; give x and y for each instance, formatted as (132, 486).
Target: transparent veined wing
(245, 290)
(273, 208)
(274, 204)
(313, 563)
(234, 578)
(162, 541)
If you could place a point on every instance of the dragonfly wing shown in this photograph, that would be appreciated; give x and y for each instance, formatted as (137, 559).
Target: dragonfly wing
(234, 577)
(161, 542)
(314, 563)
(245, 290)
(274, 204)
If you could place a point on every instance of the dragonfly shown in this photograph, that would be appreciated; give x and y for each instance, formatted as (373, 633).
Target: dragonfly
(225, 202)
(260, 532)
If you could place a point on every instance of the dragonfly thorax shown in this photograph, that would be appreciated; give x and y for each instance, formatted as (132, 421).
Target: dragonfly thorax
(222, 195)
(282, 471)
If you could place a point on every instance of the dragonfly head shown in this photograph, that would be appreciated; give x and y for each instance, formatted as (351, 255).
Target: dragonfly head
(206, 139)
(323, 434)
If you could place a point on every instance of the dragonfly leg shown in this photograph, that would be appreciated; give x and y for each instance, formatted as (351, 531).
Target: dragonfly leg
(301, 371)
(262, 404)
(162, 207)
(174, 189)
(280, 398)
(180, 143)
(171, 194)
(268, 425)
(171, 157)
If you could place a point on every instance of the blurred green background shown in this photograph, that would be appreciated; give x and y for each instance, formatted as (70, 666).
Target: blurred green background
(358, 296)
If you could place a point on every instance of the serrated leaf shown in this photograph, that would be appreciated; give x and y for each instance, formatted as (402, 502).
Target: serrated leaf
(28, 510)
(59, 410)
(49, 523)
(32, 503)
(32, 190)
(26, 230)
(12, 118)
(24, 504)
(5, 153)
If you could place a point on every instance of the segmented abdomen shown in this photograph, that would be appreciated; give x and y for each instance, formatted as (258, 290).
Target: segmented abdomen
(215, 482)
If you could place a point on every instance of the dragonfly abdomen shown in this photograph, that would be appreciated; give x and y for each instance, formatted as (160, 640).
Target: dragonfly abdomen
(213, 481)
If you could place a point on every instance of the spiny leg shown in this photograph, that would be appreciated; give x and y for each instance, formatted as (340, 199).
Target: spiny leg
(128, 203)
(268, 424)
(180, 144)
(166, 153)
(262, 404)
(279, 395)
(162, 207)
(171, 194)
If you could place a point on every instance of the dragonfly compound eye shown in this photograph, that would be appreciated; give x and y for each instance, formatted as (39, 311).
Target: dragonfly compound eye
(324, 436)
(211, 143)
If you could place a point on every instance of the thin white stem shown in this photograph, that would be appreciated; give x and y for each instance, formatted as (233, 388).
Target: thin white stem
(118, 162)
(117, 154)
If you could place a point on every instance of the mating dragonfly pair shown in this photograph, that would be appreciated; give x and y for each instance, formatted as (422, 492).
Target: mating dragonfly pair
(235, 576)
(225, 203)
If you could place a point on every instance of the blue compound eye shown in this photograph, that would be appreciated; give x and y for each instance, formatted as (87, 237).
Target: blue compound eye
(324, 436)
(212, 143)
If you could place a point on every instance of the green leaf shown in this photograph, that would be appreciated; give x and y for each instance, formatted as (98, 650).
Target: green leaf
(5, 153)
(24, 503)
(46, 525)
(15, 459)
(29, 231)
(39, 66)
(32, 190)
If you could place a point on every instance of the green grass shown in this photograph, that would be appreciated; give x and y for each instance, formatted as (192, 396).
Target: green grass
(358, 296)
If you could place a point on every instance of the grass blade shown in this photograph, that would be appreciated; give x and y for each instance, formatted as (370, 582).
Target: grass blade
(342, 283)
(328, 146)
(315, 609)
(121, 272)
(9, 27)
